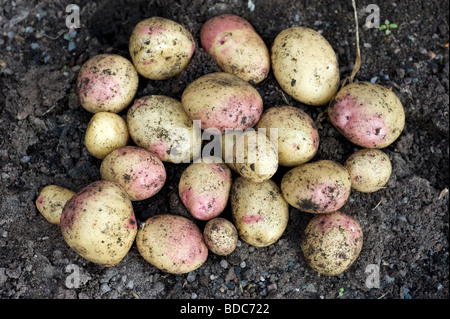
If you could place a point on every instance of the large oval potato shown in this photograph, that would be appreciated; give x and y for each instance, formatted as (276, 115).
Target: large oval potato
(298, 137)
(99, 224)
(51, 200)
(204, 188)
(105, 133)
(220, 236)
(260, 213)
(140, 172)
(367, 114)
(317, 187)
(332, 242)
(160, 125)
(255, 156)
(369, 169)
(106, 83)
(236, 47)
(221, 100)
(160, 48)
(172, 243)
(305, 65)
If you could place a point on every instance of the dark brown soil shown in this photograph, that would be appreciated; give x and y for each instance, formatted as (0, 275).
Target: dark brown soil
(42, 126)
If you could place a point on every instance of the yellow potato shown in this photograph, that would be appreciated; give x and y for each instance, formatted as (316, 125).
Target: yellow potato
(99, 224)
(160, 48)
(305, 65)
(298, 138)
(220, 236)
(160, 125)
(332, 242)
(369, 170)
(260, 213)
(51, 200)
(105, 133)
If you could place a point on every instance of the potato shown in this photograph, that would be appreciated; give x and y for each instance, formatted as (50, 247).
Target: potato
(260, 213)
(367, 114)
(220, 236)
(99, 224)
(172, 243)
(305, 65)
(51, 200)
(140, 172)
(255, 156)
(298, 138)
(369, 169)
(221, 100)
(107, 83)
(204, 188)
(160, 125)
(236, 47)
(317, 187)
(332, 242)
(160, 48)
(105, 133)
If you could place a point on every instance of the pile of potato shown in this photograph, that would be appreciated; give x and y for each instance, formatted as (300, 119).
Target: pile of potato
(99, 223)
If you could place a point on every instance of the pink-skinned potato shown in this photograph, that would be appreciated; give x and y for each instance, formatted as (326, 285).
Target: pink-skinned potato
(367, 114)
(99, 224)
(317, 187)
(107, 83)
(140, 172)
(236, 47)
(51, 200)
(332, 242)
(171, 243)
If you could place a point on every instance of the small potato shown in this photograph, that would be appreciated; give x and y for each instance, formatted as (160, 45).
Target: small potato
(107, 83)
(204, 188)
(318, 187)
(160, 125)
(160, 48)
(220, 236)
(298, 138)
(367, 114)
(369, 170)
(105, 133)
(172, 243)
(260, 213)
(140, 172)
(99, 224)
(236, 47)
(51, 200)
(332, 242)
(220, 101)
(255, 156)
(305, 65)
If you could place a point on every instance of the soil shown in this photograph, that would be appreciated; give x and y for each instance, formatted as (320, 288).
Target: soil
(42, 125)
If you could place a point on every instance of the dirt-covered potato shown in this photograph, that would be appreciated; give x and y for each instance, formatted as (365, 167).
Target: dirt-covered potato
(160, 125)
(140, 172)
(236, 47)
(367, 114)
(160, 48)
(105, 133)
(255, 156)
(298, 138)
(107, 83)
(317, 187)
(99, 224)
(51, 200)
(221, 100)
(172, 243)
(260, 213)
(204, 188)
(305, 65)
(332, 242)
(220, 236)
(369, 169)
